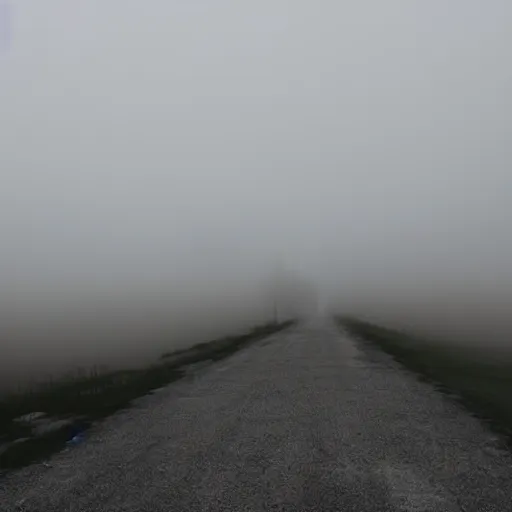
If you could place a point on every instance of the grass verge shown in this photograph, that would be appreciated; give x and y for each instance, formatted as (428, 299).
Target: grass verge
(483, 383)
(73, 404)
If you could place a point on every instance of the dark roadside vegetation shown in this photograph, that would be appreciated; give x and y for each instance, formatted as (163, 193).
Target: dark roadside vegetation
(481, 378)
(75, 403)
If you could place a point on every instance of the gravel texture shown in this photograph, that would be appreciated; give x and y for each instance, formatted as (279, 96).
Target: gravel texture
(303, 420)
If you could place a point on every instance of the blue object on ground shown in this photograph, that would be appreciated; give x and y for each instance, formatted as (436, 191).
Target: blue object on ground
(76, 439)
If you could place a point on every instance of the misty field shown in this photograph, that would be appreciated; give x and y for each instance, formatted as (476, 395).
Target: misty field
(480, 376)
(34, 423)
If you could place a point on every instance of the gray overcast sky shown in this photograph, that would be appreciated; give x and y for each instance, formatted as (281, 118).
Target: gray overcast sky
(358, 141)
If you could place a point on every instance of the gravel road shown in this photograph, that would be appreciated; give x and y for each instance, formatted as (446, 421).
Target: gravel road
(304, 420)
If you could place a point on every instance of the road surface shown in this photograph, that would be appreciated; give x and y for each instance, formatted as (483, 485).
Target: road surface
(304, 420)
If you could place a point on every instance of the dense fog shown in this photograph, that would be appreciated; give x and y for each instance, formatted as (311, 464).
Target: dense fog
(166, 166)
